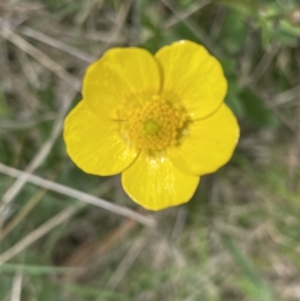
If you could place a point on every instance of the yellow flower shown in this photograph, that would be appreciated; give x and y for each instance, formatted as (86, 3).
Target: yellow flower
(160, 120)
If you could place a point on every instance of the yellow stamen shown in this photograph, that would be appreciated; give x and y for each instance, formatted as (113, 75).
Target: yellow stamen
(156, 125)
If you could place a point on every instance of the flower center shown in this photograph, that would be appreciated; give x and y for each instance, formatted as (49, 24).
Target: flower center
(157, 125)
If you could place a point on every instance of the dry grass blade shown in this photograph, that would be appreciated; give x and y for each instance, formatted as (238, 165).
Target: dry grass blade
(121, 19)
(87, 254)
(35, 199)
(39, 36)
(21, 125)
(264, 63)
(17, 287)
(179, 223)
(40, 56)
(184, 14)
(25, 242)
(41, 155)
(82, 196)
(196, 30)
(87, 10)
(286, 96)
(127, 262)
(179, 17)
(268, 101)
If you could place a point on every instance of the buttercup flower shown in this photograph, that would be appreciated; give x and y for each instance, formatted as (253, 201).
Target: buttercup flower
(159, 120)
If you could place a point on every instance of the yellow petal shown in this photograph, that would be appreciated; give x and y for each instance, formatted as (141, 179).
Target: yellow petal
(94, 144)
(155, 183)
(209, 143)
(192, 76)
(122, 73)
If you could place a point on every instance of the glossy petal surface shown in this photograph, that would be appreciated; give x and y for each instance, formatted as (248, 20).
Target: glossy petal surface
(119, 75)
(193, 76)
(155, 183)
(209, 144)
(94, 144)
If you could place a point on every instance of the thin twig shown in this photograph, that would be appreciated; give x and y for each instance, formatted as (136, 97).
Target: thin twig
(82, 196)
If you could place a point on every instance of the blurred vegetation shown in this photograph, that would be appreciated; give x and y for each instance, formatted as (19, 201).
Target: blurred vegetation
(237, 239)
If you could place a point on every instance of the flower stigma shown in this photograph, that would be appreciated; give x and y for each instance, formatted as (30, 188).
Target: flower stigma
(152, 127)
